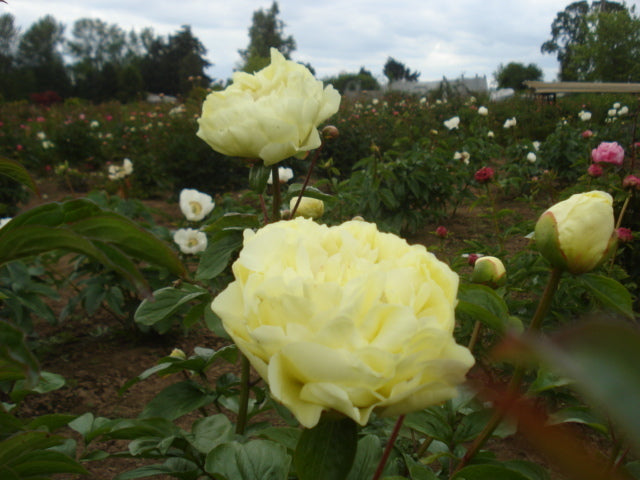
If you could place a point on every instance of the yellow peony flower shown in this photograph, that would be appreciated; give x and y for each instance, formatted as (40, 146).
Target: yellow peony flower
(577, 234)
(309, 207)
(272, 114)
(344, 318)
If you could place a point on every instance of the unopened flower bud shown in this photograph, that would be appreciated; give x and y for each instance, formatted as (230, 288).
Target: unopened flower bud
(624, 235)
(442, 232)
(179, 354)
(577, 234)
(330, 132)
(587, 134)
(631, 182)
(489, 271)
(308, 208)
(594, 170)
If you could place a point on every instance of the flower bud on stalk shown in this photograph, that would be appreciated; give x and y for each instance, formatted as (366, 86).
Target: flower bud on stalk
(577, 234)
(489, 271)
(308, 208)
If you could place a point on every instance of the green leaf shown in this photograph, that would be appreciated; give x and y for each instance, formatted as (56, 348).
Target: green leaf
(208, 433)
(488, 472)
(51, 422)
(609, 292)
(255, 460)
(15, 171)
(312, 192)
(258, 177)
(367, 458)
(431, 422)
(583, 415)
(48, 382)
(16, 360)
(46, 462)
(177, 400)
(287, 436)
(165, 302)
(530, 470)
(234, 221)
(326, 450)
(483, 304)
(219, 250)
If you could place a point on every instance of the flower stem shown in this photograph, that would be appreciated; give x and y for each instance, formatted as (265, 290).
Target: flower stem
(276, 194)
(474, 335)
(244, 395)
(306, 180)
(518, 374)
(388, 448)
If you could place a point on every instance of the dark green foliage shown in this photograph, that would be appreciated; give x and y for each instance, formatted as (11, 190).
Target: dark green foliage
(514, 74)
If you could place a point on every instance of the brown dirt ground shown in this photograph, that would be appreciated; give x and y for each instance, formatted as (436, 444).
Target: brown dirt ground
(96, 357)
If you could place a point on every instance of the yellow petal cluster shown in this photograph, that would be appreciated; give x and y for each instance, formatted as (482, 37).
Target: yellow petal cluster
(344, 318)
(272, 114)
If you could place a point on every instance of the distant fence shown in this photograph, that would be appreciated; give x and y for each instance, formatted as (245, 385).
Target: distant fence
(460, 85)
(550, 89)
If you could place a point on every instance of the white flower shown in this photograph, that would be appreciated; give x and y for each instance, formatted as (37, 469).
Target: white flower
(623, 111)
(195, 205)
(117, 172)
(94, 124)
(284, 175)
(4, 221)
(47, 144)
(510, 122)
(616, 105)
(177, 110)
(375, 101)
(484, 111)
(423, 100)
(464, 156)
(536, 145)
(190, 240)
(612, 112)
(127, 166)
(531, 157)
(490, 134)
(584, 115)
(41, 135)
(452, 123)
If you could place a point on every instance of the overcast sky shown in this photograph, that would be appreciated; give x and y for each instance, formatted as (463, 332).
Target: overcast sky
(435, 37)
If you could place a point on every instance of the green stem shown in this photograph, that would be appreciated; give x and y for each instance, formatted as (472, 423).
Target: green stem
(494, 214)
(244, 395)
(623, 210)
(518, 374)
(306, 181)
(388, 448)
(276, 194)
(474, 336)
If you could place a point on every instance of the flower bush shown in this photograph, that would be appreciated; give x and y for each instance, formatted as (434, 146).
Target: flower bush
(297, 284)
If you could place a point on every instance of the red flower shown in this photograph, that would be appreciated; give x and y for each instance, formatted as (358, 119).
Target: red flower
(587, 134)
(594, 170)
(624, 234)
(631, 182)
(484, 175)
(442, 232)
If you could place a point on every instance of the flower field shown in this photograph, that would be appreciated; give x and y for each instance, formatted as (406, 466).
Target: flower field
(271, 281)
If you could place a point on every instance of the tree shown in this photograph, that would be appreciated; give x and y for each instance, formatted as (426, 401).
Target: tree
(575, 32)
(363, 80)
(396, 71)
(39, 53)
(514, 74)
(97, 43)
(8, 43)
(266, 32)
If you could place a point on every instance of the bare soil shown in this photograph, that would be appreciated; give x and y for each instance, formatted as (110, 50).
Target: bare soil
(96, 356)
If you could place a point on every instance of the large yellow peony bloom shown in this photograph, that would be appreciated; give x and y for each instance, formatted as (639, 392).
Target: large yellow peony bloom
(344, 318)
(272, 114)
(577, 234)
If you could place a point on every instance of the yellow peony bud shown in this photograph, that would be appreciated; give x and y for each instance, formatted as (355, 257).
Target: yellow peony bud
(177, 353)
(489, 271)
(577, 234)
(309, 207)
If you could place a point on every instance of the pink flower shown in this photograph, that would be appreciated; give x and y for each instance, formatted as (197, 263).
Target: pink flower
(624, 234)
(442, 231)
(631, 182)
(594, 170)
(484, 175)
(587, 134)
(472, 258)
(19, 147)
(608, 152)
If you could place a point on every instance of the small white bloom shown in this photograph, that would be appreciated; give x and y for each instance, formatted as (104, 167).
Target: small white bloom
(490, 134)
(284, 175)
(510, 122)
(536, 145)
(116, 172)
(195, 205)
(452, 123)
(531, 157)
(623, 111)
(177, 110)
(4, 221)
(94, 124)
(484, 111)
(190, 240)
(433, 131)
(616, 105)
(41, 135)
(423, 100)
(464, 156)
(375, 101)
(584, 115)
(127, 166)
(612, 112)
(47, 144)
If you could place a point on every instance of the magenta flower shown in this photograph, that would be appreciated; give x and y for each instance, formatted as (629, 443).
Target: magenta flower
(442, 231)
(484, 175)
(631, 182)
(587, 134)
(624, 234)
(608, 152)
